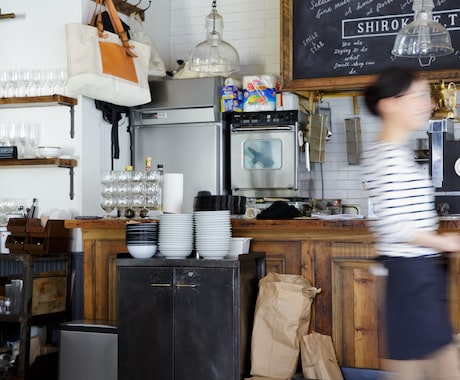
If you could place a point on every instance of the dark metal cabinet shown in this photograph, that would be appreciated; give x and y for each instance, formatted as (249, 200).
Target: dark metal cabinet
(44, 301)
(186, 319)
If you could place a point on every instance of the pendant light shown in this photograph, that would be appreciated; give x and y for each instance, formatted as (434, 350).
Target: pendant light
(214, 56)
(423, 37)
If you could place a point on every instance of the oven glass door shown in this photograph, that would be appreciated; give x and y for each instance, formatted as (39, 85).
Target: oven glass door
(264, 159)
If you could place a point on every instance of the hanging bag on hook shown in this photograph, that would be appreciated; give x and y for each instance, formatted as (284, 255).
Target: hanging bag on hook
(137, 32)
(107, 66)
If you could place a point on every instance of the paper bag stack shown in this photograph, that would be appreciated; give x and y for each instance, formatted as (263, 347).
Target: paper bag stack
(280, 332)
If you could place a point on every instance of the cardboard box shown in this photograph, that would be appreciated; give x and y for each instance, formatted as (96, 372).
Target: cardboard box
(232, 99)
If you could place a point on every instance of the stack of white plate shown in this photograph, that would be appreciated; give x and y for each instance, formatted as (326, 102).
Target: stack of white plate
(175, 239)
(213, 233)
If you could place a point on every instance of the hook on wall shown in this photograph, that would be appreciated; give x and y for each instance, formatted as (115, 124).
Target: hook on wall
(148, 6)
(8, 15)
(123, 6)
(140, 1)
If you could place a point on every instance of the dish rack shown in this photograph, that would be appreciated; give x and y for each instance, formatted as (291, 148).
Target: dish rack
(29, 236)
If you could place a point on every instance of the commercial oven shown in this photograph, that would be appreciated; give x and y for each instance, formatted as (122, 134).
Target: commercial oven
(265, 150)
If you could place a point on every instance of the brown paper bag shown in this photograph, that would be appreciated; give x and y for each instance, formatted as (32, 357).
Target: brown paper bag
(282, 309)
(263, 378)
(318, 357)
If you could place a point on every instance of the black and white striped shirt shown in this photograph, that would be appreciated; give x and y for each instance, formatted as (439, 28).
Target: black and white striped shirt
(403, 199)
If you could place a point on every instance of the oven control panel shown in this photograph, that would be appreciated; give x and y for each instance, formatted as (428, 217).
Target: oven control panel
(267, 118)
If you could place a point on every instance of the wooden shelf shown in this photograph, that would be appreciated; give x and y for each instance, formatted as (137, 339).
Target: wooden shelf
(37, 101)
(44, 162)
(59, 162)
(43, 101)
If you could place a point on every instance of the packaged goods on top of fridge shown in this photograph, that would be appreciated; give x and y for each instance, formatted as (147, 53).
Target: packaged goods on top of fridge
(259, 93)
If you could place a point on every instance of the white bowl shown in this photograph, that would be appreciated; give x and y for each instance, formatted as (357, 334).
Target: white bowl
(173, 253)
(49, 151)
(240, 246)
(142, 251)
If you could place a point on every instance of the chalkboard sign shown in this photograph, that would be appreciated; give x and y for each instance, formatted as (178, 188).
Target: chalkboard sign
(341, 44)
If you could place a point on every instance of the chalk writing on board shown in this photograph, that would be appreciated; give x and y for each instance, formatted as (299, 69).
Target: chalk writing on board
(333, 38)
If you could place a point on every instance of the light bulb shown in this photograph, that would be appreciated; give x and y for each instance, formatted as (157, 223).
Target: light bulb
(424, 39)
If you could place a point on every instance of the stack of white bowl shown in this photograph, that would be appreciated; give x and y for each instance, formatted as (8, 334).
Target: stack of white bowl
(175, 239)
(213, 233)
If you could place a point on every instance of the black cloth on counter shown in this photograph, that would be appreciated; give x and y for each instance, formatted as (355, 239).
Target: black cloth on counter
(279, 210)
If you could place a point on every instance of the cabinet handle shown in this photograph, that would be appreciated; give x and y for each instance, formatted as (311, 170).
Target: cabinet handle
(186, 286)
(165, 285)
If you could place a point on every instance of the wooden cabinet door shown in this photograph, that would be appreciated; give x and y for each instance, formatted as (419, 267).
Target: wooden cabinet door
(281, 256)
(357, 315)
(145, 317)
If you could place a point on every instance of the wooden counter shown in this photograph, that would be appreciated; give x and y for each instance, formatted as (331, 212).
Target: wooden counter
(333, 255)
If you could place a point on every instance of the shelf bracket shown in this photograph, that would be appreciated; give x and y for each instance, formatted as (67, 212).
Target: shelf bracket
(72, 122)
(71, 192)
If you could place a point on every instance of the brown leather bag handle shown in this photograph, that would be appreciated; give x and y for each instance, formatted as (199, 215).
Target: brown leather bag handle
(116, 23)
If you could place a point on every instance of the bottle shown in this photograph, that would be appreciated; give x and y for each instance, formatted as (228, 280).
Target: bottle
(129, 213)
(148, 164)
(160, 186)
(143, 213)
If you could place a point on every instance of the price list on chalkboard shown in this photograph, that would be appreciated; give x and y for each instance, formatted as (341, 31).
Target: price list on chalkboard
(338, 38)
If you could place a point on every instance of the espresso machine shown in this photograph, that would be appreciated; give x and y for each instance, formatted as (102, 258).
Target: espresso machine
(444, 150)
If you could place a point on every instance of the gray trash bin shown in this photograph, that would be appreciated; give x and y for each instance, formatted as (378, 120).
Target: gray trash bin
(88, 350)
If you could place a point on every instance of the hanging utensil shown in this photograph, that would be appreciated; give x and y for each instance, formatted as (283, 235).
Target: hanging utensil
(353, 135)
(317, 133)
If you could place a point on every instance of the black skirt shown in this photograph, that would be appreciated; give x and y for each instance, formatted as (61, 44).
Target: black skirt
(417, 314)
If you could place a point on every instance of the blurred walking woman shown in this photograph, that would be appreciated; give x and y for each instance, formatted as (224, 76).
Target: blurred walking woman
(419, 335)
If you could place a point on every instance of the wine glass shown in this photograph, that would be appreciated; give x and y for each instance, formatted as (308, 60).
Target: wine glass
(4, 83)
(12, 134)
(22, 135)
(38, 78)
(13, 78)
(26, 81)
(62, 80)
(32, 140)
(108, 177)
(51, 81)
(3, 134)
(122, 203)
(108, 190)
(108, 205)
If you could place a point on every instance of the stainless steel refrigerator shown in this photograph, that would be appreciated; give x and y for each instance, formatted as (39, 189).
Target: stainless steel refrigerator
(183, 129)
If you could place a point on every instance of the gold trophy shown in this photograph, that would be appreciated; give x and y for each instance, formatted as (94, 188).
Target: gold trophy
(445, 100)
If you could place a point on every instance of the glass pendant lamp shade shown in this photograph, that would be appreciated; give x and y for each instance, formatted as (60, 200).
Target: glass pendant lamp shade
(214, 56)
(423, 37)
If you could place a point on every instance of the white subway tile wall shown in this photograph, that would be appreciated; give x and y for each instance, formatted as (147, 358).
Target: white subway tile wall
(253, 28)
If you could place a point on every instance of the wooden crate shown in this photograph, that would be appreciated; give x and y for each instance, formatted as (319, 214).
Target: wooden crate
(49, 293)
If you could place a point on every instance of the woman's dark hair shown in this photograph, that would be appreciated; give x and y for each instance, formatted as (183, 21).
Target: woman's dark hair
(390, 82)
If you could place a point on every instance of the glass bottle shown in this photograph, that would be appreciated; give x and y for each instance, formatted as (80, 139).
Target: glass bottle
(147, 189)
(128, 173)
(160, 187)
